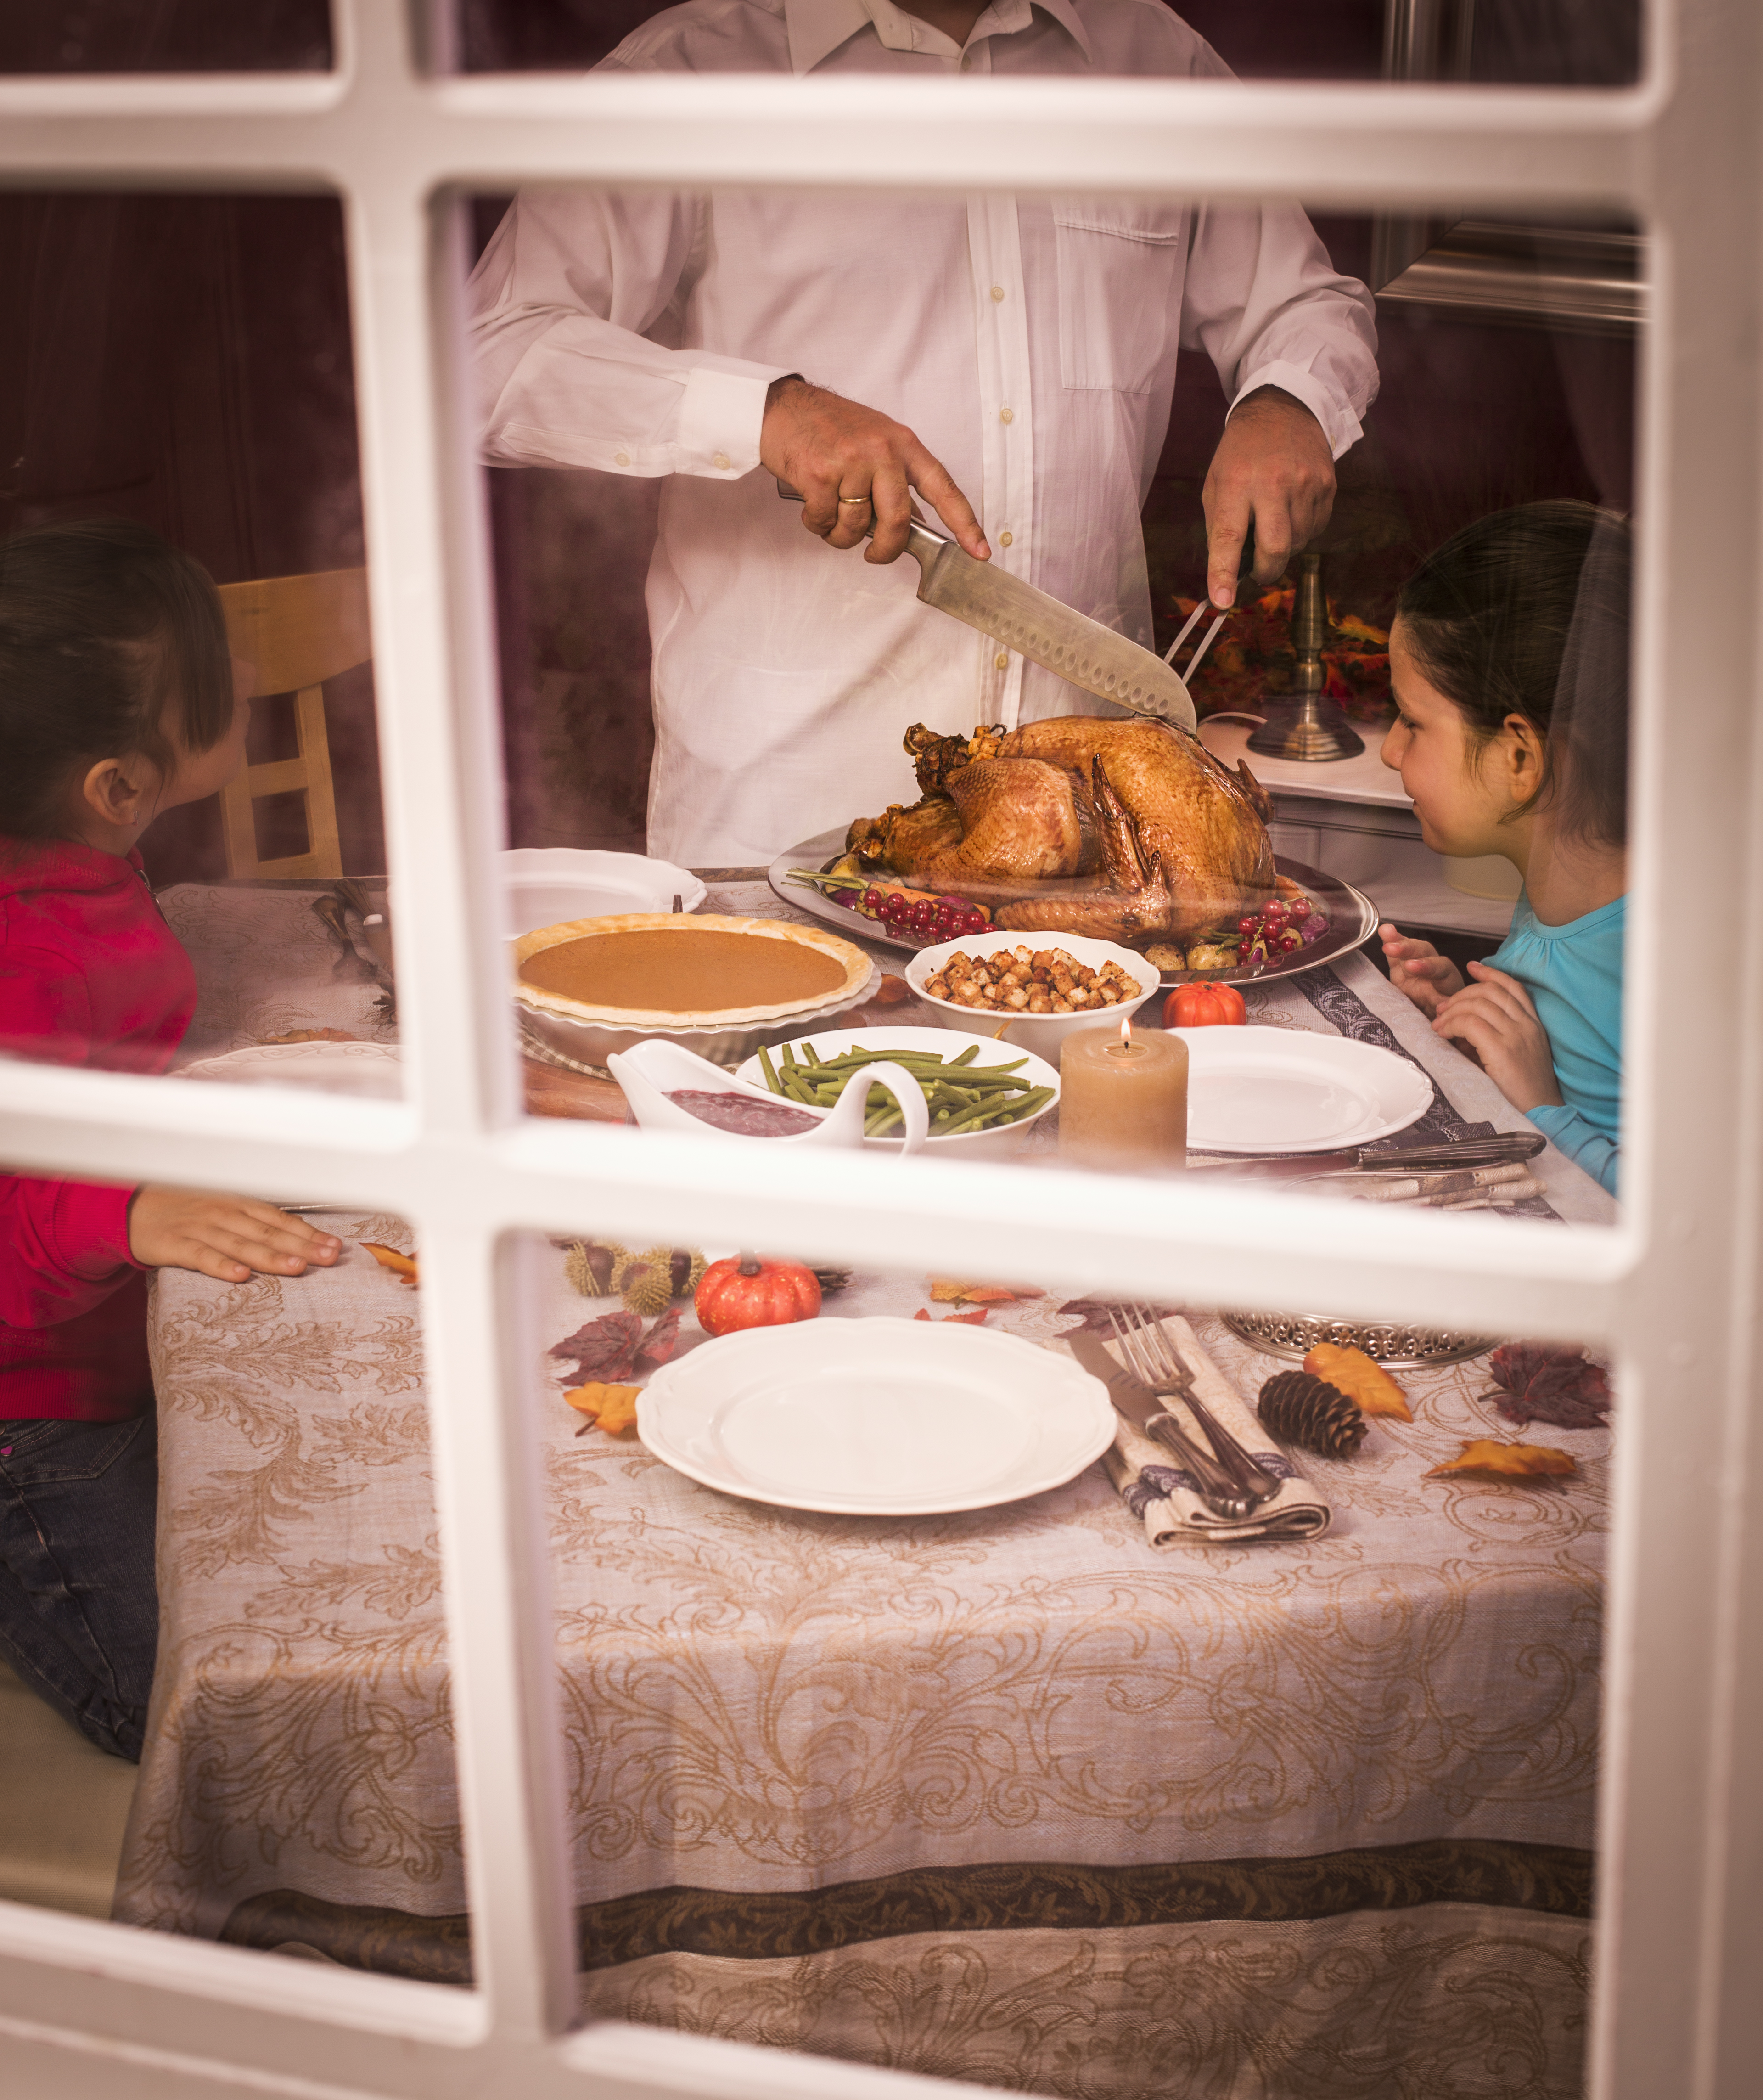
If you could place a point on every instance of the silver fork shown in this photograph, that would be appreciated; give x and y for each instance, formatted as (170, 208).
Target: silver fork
(1146, 1344)
(1194, 618)
(1218, 1489)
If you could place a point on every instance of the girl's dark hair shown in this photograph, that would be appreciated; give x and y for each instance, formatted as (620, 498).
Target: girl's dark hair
(112, 643)
(1526, 613)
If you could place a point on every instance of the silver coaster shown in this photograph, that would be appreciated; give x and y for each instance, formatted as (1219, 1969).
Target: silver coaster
(1396, 1347)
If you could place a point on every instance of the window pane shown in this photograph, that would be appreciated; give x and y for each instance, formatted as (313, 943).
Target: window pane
(1559, 43)
(292, 1785)
(791, 736)
(301, 1731)
(174, 36)
(180, 412)
(917, 1710)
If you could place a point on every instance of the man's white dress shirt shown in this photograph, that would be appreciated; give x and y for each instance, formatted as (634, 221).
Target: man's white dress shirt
(1030, 343)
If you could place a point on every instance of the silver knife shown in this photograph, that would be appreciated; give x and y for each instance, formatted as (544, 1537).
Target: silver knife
(1067, 643)
(1144, 1410)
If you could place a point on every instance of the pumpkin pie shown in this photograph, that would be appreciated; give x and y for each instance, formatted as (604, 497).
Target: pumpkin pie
(678, 971)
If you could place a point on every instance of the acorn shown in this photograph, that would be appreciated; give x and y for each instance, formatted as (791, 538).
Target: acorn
(645, 1283)
(1302, 1409)
(593, 1266)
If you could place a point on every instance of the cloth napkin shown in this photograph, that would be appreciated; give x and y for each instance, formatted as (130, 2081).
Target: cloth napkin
(1161, 1495)
(1462, 1189)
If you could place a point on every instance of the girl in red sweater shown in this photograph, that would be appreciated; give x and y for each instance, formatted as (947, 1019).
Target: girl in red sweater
(118, 699)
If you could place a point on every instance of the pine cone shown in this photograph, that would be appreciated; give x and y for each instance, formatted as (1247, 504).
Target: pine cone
(832, 1279)
(1302, 1409)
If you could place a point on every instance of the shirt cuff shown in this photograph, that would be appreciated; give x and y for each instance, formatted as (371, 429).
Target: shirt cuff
(1328, 405)
(92, 1229)
(720, 415)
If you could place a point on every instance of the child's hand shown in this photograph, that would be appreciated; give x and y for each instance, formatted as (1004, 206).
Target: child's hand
(1494, 1016)
(1417, 969)
(224, 1236)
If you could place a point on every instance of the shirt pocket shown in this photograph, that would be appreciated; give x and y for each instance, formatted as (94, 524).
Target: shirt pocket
(1120, 268)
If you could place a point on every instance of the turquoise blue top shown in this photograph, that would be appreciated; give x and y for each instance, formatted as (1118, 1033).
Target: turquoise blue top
(1574, 976)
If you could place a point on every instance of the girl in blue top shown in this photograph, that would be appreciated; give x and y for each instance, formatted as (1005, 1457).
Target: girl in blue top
(1509, 660)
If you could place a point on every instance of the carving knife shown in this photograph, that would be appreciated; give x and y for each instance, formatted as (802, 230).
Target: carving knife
(1067, 643)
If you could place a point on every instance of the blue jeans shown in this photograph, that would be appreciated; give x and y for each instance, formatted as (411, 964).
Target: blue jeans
(79, 1612)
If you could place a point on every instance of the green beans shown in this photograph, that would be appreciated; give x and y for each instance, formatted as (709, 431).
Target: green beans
(961, 1096)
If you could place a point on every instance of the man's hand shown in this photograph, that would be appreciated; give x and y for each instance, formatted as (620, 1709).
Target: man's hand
(1272, 467)
(1417, 969)
(1496, 1018)
(224, 1236)
(850, 462)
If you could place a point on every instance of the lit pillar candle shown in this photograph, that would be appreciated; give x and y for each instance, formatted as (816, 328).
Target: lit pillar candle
(1123, 1099)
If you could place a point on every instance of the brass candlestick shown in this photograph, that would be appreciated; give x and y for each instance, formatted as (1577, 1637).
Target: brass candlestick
(1302, 725)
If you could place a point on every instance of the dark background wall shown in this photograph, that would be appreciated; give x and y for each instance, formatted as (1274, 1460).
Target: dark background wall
(186, 360)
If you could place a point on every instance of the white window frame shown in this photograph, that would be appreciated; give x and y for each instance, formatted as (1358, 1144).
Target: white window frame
(89, 2007)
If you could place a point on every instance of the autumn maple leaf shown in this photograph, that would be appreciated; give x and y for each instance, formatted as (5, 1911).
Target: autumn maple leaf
(1545, 1382)
(604, 1352)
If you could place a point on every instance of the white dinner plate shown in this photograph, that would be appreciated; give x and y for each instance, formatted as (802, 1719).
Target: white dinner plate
(876, 1417)
(371, 1071)
(1284, 1090)
(545, 885)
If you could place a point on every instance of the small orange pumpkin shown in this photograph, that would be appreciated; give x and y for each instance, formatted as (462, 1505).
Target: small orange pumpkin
(1205, 1006)
(744, 1292)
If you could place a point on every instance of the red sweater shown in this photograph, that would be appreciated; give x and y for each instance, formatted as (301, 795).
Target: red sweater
(90, 974)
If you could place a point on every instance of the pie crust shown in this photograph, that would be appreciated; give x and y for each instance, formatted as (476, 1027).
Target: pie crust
(856, 970)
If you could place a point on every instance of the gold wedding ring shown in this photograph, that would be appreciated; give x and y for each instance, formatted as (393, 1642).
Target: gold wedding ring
(854, 499)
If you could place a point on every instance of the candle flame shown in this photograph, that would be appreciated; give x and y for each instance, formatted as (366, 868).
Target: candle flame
(1125, 1032)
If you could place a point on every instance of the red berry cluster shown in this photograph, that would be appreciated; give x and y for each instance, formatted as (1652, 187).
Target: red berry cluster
(1278, 931)
(928, 920)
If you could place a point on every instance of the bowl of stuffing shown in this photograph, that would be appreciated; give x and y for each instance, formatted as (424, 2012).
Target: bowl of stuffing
(1047, 986)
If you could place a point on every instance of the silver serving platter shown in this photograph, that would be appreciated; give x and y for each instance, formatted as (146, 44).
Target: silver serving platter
(1396, 1347)
(1352, 917)
(587, 1044)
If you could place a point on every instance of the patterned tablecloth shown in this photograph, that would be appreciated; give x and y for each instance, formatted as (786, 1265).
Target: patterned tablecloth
(1006, 1796)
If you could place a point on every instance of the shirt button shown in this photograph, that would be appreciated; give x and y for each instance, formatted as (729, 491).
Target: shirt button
(997, 291)
(1004, 539)
(1006, 415)
(1001, 661)
(721, 462)
(622, 459)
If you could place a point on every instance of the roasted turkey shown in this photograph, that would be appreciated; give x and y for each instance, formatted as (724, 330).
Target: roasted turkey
(1126, 831)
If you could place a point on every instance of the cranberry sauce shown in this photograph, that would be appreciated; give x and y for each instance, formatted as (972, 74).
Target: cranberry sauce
(745, 1114)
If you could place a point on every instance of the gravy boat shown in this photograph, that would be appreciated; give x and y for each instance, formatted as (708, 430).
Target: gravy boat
(652, 1070)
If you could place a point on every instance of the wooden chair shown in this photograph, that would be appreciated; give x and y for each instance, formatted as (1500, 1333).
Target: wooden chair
(298, 631)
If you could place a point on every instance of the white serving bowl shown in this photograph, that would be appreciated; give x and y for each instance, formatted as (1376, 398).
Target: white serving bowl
(1041, 1032)
(545, 885)
(829, 1039)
